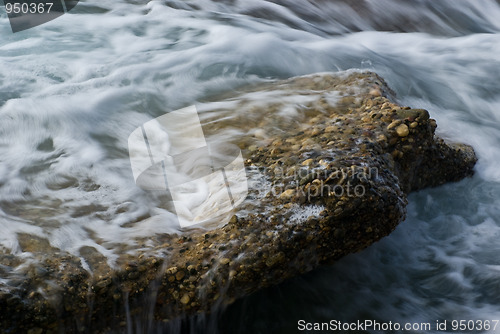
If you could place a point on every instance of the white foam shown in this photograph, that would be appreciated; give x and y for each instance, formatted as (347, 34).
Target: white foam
(300, 214)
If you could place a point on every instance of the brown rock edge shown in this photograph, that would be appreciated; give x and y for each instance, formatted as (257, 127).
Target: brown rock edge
(353, 161)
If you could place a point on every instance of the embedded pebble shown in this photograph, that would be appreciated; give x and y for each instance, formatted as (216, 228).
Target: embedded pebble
(185, 299)
(393, 124)
(287, 194)
(402, 130)
(307, 162)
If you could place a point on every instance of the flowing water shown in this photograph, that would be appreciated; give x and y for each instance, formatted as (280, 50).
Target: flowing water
(72, 91)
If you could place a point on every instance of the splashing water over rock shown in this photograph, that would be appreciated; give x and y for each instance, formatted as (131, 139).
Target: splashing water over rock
(330, 159)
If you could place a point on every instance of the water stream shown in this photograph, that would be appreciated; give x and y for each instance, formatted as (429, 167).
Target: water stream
(72, 90)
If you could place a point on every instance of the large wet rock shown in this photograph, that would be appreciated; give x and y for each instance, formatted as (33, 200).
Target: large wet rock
(330, 160)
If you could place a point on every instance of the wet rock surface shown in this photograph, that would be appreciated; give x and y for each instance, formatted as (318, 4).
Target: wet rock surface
(328, 176)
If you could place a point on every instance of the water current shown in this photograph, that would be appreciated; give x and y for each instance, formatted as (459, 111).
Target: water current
(72, 91)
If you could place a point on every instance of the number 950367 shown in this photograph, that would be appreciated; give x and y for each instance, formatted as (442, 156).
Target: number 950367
(28, 7)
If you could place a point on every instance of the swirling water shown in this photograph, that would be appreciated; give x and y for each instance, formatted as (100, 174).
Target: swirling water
(71, 92)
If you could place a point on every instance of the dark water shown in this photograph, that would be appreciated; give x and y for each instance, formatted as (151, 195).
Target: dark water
(71, 92)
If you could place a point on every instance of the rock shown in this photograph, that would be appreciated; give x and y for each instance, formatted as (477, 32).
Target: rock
(351, 192)
(185, 299)
(402, 130)
(287, 194)
(394, 124)
(180, 275)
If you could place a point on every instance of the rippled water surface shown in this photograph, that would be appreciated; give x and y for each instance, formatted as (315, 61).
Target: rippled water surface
(72, 90)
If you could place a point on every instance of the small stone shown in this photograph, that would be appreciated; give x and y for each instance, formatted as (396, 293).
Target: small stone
(315, 132)
(172, 270)
(253, 148)
(382, 138)
(402, 130)
(287, 194)
(180, 275)
(330, 128)
(224, 261)
(185, 299)
(393, 124)
(102, 284)
(407, 148)
(307, 162)
(413, 125)
(233, 220)
(375, 92)
(324, 163)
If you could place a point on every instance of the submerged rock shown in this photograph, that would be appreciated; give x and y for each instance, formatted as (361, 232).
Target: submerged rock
(332, 158)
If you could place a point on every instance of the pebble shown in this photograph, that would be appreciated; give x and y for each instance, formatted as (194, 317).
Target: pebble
(413, 125)
(287, 194)
(402, 130)
(386, 105)
(224, 261)
(315, 132)
(180, 275)
(393, 124)
(307, 162)
(382, 138)
(233, 220)
(331, 128)
(172, 270)
(375, 92)
(185, 299)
